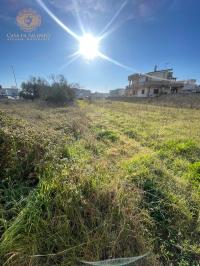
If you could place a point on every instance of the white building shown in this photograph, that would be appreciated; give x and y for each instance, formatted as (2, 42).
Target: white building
(153, 83)
(190, 86)
(11, 92)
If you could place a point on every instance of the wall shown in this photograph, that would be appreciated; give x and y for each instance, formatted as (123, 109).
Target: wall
(189, 87)
(161, 74)
(151, 93)
(140, 94)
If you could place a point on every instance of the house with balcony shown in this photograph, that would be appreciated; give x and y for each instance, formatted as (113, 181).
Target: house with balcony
(153, 83)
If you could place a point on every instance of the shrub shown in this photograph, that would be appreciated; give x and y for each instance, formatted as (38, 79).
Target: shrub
(131, 134)
(185, 148)
(107, 134)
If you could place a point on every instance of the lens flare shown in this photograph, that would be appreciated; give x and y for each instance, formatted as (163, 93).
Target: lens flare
(57, 20)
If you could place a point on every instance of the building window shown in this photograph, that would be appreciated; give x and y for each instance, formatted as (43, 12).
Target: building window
(143, 91)
(155, 91)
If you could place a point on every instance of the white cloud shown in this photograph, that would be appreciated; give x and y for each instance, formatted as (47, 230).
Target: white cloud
(84, 7)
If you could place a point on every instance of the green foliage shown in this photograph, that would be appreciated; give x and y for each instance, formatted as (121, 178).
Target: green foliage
(22, 162)
(79, 220)
(131, 134)
(107, 135)
(194, 174)
(181, 147)
(60, 92)
(168, 205)
(34, 88)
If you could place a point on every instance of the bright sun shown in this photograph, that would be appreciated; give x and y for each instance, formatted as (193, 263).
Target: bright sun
(89, 46)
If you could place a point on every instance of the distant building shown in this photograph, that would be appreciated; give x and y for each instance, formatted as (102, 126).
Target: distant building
(9, 92)
(117, 92)
(190, 86)
(153, 83)
(82, 94)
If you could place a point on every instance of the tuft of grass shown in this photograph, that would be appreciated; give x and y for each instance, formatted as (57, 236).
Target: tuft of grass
(107, 135)
(182, 147)
(194, 174)
(131, 134)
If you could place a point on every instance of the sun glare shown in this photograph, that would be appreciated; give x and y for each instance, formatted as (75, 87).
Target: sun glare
(89, 46)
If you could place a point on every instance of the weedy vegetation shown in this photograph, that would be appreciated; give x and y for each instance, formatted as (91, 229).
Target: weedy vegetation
(98, 181)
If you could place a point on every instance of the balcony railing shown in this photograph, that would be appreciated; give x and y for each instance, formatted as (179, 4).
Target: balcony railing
(156, 83)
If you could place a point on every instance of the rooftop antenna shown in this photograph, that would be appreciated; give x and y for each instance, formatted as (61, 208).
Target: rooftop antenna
(13, 70)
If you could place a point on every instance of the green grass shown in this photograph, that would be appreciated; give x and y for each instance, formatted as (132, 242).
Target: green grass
(98, 181)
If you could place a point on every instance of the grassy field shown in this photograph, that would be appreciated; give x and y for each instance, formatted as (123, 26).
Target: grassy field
(99, 180)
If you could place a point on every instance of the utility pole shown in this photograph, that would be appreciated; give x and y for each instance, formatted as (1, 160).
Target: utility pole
(13, 70)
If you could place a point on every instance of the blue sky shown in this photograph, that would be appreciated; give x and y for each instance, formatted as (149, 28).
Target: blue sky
(145, 33)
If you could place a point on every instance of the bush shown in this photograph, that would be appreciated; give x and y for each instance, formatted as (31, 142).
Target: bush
(60, 92)
(107, 134)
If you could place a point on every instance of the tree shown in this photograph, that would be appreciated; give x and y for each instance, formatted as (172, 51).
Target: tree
(58, 91)
(34, 88)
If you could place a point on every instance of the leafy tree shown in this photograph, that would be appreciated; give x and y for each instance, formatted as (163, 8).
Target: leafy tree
(59, 91)
(34, 88)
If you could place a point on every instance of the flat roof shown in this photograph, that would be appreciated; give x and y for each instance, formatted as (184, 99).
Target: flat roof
(163, 70)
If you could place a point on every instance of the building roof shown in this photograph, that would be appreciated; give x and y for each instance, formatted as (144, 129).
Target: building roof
(137, 75)
(163, 70)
